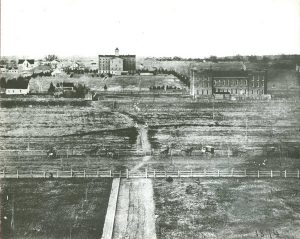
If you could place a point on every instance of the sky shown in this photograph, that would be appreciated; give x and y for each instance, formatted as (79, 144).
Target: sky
(185, 28)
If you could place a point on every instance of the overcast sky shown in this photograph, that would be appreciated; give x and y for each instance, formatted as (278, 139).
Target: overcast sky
(187, 28)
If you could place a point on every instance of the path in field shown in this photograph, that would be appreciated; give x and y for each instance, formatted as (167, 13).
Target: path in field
(143, 144)
(134, 217)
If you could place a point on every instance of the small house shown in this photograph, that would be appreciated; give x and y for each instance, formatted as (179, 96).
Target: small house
(17, 87)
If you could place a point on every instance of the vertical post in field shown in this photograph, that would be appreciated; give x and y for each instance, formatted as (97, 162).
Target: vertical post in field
(4, 173)
(146, 173)
(285, 173)
(245, 172)
(154, 173)
(297, 173)
(110, 174)
(84, 175)
(44, 174)
(257, 173)
(97, 173)
(231, 172)
(17, 173)
(127, 173)
(271, 174)
(71, 173)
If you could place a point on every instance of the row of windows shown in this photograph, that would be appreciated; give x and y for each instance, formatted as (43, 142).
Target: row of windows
(241, 91)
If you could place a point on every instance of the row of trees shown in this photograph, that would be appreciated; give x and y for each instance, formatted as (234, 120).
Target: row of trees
(79, 90)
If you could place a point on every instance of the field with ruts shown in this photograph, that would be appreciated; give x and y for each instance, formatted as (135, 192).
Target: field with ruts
(245, 134)
(29, 128)
(92, 135)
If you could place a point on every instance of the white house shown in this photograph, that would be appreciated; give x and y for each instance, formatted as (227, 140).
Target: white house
(14, 87)
(26, 64)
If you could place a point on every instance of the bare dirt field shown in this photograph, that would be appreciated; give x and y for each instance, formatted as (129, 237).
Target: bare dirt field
(135, 210)
(73, 208)
(227, 208)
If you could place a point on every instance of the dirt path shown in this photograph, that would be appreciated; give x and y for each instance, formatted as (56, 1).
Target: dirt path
(135, 210)
(143, 144)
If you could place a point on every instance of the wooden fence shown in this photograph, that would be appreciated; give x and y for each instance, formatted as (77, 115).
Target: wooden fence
(151, 174)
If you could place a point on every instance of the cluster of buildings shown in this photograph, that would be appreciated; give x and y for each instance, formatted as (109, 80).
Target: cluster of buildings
(224, 84)
(117, 64)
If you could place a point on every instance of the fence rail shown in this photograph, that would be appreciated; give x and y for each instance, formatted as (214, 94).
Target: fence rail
(150, 174)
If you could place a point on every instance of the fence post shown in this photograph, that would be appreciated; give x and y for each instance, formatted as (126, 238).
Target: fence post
(84, 173)
(71, 173)
(4, 173)
(271, 173)
(297, 173)
(245, 172)
(154, 173)
(120, 174)
(44, 174)
(218, 173)
(257, 173)
(285, 173)
(17, 173)
(56, 173)
(97, 173)
(231, 172)
(31, 173)
(146, 173)
(204, 172)
(110, 174)
(165, 173)
(178, 173)
(191, 173)
(127, 174)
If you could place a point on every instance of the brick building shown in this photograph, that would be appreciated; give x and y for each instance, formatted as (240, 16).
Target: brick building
(117, 64)
(232, 83)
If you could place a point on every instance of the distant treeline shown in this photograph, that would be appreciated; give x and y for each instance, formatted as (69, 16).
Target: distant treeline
(250, 58)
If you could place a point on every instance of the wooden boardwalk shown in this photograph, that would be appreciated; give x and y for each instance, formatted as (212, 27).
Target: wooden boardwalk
(206, 173)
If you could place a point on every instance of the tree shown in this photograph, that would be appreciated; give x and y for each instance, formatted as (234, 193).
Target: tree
(51, 89)
(2, 82)
(51, 58)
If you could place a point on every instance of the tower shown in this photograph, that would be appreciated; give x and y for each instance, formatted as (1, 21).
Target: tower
(117, 51)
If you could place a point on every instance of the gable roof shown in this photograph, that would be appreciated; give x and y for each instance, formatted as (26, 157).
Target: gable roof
(21, 61)
(17, 84)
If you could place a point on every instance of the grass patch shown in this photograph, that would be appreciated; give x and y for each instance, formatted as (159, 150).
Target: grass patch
(70, 208)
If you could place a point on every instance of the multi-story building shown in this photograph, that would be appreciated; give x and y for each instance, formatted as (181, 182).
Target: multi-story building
(117, 64)
(236, 83)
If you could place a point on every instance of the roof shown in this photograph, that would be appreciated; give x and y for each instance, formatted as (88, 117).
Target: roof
(17, 84)
(31, 61)
(229, 73)
(115, 55)
(66, 84)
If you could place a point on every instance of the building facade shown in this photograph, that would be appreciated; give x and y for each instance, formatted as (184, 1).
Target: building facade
(233, 83)
(117, 64)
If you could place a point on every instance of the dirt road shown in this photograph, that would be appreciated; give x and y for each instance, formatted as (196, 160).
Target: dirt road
(143, 144)
(135, 210)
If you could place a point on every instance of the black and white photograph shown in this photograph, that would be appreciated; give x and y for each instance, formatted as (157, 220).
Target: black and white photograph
(150, 119)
